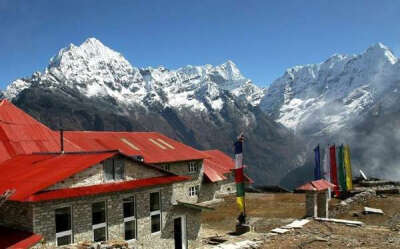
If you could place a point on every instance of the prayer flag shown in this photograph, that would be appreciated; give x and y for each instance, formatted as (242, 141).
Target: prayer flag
(342, 176)
(317, 169)
(347, 164)
(239, 174)
(326, 174)
(240, 203)
(332, 156)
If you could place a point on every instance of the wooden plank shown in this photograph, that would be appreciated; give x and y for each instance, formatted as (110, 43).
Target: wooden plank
(297, 224)
(352, 222)
(369, 210)
(280, 230)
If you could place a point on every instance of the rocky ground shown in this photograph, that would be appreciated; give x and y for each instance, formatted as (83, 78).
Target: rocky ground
(268, 211)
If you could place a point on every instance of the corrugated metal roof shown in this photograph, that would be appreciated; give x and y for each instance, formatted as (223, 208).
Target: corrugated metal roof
(28, 174)
(16, 239)
(217, 165)
(106, 188)
(318, 185)
(22, 134)
(153, 146)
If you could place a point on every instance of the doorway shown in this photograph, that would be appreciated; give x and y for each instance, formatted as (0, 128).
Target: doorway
(180, 233)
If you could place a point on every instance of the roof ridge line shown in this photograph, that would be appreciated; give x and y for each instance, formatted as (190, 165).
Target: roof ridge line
(74, 152)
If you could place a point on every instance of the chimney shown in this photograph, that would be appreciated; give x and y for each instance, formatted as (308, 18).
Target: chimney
(62, 140)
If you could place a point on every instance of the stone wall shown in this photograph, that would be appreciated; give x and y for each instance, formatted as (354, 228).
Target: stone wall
(17, 215)
(95, 175)
(181, 190)
(321, 201)
(309, 204)
(207, 191)
(323, 206)
(44, 219)
(91, 176)
(211, 190)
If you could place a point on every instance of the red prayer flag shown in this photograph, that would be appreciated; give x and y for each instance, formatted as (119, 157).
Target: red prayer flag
(334, 180)
(239, 176)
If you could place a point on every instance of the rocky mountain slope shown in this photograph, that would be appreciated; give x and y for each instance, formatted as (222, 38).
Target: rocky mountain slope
(346, 99)
(323, 98)
(92, 87)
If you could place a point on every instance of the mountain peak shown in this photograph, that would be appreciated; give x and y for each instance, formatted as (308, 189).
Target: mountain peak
(92, 45)
(381, 51)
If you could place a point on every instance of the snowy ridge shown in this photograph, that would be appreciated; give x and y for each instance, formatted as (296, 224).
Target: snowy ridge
(325, 97)
(96, 70)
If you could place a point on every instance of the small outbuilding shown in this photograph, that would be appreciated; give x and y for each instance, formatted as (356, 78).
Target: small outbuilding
(317, 198)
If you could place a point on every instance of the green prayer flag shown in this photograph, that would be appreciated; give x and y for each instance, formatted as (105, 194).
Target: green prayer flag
(240, 189)
(341, 169)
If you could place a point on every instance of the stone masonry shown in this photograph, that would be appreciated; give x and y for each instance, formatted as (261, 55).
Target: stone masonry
(40, 217)
(44, 219)
(95, 175)
(321, 204)
(17, 215)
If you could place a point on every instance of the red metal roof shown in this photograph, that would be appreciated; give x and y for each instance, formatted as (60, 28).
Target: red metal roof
(105, 188)
(22, 134)
(153, 146)
(217, 165)
(16, 239)
(28, 174)
(318, 185)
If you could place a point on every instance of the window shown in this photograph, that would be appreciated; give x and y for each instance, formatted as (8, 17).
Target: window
(165, 167)
(114, 169)
(194, 191)
(63, 226)
(193, 167)
(99, 223)
(155, 212)
(129, 218)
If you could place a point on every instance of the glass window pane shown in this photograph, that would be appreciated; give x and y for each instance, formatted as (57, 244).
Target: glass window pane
(108, 170)
(119, 169)
(154, 201)
(99, 234)
(98, 213)
(62, 241)
(63, 219)
(155, 223)
(129, 208)
(130, 230)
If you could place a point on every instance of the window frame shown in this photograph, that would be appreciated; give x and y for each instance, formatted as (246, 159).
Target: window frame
(193, 167)
(67, 232)
(194, 191)
(113, 169)
(100, 225)
(166, 167)
(155, 212)
(130, 218)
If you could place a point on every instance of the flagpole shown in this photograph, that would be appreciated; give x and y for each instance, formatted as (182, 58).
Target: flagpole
(244, 194)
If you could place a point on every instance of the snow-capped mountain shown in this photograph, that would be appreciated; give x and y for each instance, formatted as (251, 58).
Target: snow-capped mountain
(326, 97)
(92, 87)
(352, 99)
(96, 70)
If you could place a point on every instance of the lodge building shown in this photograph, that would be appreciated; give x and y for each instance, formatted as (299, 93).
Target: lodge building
(142, 188)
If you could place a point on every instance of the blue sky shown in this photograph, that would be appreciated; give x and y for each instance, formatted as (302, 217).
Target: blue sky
(262, 37)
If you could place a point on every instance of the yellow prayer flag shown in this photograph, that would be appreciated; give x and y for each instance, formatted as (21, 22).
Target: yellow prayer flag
(347, 165)
(240, 202)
